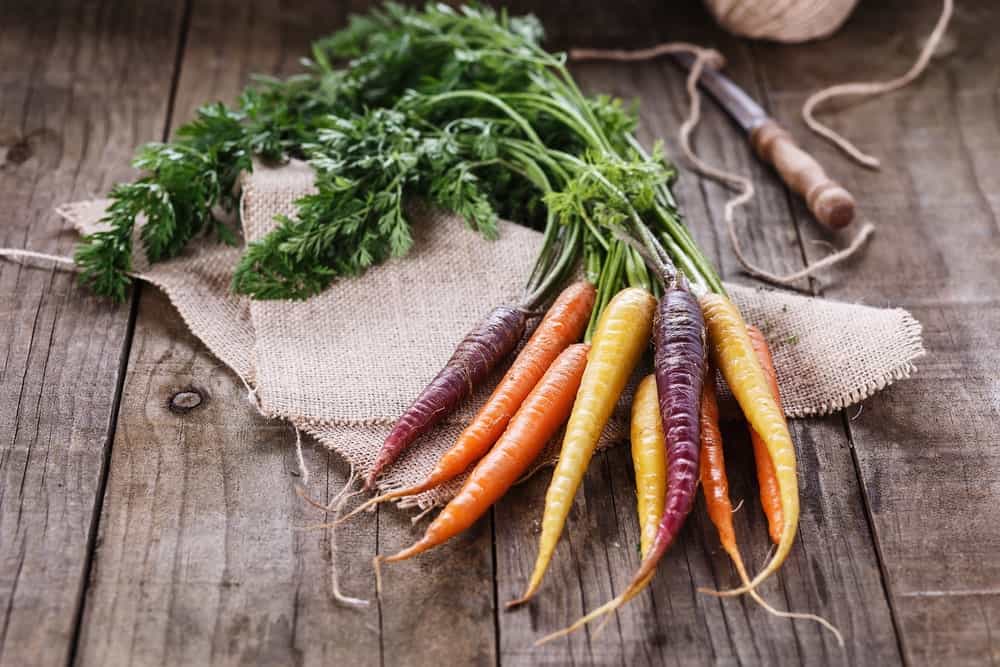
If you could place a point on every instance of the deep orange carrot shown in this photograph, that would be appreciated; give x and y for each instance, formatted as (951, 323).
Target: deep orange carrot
(562, 326)
(540, 416)
(714, 483)
(770, 497)
(733, 354)
(715, 487)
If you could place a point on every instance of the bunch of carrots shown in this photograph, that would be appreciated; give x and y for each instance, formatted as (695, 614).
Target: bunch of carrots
(607, 200)
(464, 109)
(557, 380)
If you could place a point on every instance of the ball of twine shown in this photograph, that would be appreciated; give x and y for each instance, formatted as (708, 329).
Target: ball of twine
(788, 21)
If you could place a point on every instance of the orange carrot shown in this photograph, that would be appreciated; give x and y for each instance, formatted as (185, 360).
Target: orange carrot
(714, 483)
(715, 487)
(562, 325)
(770, 498)
(542, 413)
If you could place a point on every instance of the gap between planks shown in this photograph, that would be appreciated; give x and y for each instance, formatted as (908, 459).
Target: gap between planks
(126, 351)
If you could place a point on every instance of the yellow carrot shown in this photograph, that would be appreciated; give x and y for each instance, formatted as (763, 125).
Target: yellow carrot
(619, 340)
(735, 357)
(649, 457)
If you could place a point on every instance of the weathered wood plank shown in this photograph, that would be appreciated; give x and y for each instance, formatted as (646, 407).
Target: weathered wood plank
(927, 449)
(199, 560)
(436, 608)
(199, 570)
(82, 84)
(833, 570)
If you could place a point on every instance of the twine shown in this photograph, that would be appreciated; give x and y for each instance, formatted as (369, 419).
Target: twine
(60, 260)
(741, 184)
(872, 88)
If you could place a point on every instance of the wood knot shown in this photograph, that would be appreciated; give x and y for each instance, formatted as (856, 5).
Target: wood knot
(185, 401)
(16, 148)
(18, 152)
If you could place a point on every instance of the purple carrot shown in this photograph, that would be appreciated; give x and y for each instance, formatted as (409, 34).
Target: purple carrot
(478, 354)
(679, 364)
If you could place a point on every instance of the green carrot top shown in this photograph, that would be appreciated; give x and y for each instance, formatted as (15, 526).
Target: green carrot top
(461, 108)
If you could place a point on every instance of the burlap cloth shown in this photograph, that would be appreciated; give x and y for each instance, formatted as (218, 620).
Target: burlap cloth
(343, 365)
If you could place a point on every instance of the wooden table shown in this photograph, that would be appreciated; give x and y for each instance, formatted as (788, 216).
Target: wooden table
(136, 532)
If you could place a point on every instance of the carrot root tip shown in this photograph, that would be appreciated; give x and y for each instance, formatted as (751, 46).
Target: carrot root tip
(777, 612)
(604, 611)
(513, 604)
(729, 593)
(367, 505)
(415, 520)
(309, 500)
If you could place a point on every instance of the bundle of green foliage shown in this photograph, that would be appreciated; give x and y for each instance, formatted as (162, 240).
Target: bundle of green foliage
(461, 108)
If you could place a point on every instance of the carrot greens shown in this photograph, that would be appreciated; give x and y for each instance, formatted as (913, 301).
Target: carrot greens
(461, 108)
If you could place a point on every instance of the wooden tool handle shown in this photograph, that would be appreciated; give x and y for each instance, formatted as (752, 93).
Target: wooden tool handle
(828, 200)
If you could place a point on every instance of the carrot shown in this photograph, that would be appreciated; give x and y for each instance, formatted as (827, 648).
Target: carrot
(714, 483)
(770, 499)
(621, 335)
(715, 487)
(562, 325)
(649, 458)
(679, 362)
(680, 373)
(542, 413)
(734, 355)
(478, 353)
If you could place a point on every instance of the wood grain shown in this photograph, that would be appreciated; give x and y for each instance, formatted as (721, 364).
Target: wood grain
(926, 450)
(82, 84)
(197, 560)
